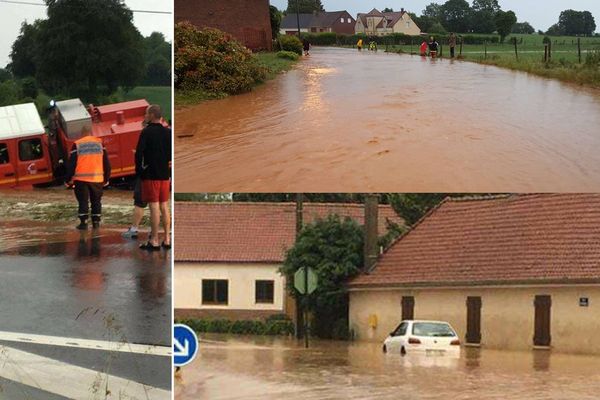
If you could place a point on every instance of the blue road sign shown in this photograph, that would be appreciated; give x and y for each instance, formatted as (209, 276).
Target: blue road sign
(185, 345)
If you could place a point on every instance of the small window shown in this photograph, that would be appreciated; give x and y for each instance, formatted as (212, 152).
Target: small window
(264, 292)
(215, 291)
(349, 20)
(342, 20)
(30, 149)
(4, 153)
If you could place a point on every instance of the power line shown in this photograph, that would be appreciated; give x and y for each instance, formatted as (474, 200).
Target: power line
(43, 5)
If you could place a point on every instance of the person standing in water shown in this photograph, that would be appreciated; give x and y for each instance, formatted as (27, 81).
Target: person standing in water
(306, 46)
(452, 44)
(433, 47)
(359, 44)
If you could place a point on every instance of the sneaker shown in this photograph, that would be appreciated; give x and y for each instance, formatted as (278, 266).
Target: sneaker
(82, 226)
(130, 233)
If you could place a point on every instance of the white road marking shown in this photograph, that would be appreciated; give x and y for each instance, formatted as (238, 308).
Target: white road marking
(86, 344)
(71, 381)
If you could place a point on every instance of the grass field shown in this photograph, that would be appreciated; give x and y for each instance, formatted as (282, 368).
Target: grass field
(564, 63)
(160, 95)
(274, 65)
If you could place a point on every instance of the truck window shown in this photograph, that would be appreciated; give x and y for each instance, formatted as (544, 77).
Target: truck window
(3, 153)
(30, 149)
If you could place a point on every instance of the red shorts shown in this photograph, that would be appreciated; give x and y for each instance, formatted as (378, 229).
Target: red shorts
(155, 191)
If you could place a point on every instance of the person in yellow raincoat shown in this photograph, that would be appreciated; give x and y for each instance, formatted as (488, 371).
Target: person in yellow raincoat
(359, 44)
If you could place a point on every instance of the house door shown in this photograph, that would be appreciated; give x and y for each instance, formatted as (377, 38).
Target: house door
(542, 320)
(473, 320)
(408, 307)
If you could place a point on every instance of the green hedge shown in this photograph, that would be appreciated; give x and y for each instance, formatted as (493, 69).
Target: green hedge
(288, 55)
(290, 43)
(243, 327)
(331, 39)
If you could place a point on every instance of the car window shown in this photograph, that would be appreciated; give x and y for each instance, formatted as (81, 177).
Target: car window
(30, 149)
(401, 329)
(4, 153)
(432, 329)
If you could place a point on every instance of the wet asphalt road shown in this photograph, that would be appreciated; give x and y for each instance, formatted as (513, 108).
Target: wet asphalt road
(58, 282)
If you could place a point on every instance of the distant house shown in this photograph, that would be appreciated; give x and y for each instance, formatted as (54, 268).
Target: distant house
(246, 20)
(228, 255)
(377, 23)
(330, 21)
(508, 272)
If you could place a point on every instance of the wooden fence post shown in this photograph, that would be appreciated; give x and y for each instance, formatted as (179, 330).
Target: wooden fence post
(485, 48)
(579, 48)
(516, 51)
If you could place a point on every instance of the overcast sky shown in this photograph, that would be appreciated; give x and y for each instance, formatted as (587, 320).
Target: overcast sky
(12, 15)
(539, 13)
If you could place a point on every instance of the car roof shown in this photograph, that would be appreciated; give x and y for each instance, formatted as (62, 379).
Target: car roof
(426, 321)
(20, 120)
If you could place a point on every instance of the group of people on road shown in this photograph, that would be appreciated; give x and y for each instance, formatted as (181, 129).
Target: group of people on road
(88, 172)
(433, 46)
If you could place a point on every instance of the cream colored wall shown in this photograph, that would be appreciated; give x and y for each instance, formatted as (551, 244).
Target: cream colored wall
(401, 27)
(507, 315)
(188, 285)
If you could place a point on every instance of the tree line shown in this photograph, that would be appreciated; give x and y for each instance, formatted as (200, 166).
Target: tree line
(84, 49)
(481, 16)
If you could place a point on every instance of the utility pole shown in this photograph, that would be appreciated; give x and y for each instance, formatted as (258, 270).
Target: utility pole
(298, 16)
(300, 320)
(371, 250)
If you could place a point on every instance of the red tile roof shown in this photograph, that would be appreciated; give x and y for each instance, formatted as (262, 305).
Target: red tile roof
(251, 232)
(541, 238)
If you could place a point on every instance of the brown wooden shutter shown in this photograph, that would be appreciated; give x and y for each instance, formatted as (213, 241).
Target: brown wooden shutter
(408, 307)
(542, 336)
(473, 320)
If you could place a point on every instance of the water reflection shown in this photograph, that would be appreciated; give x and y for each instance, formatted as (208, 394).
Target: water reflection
(256, 368)
(382, 122)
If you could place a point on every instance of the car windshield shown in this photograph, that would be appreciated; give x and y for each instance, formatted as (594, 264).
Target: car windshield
(432, 329)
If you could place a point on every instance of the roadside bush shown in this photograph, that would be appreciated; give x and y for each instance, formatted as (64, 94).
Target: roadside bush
(592, 59)
(212, 61)
(277, 326)
(288, 55)
(290, 43)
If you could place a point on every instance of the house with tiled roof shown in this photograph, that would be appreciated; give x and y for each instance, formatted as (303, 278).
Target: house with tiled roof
(327, 21)
(508, 272)
(377, 23)
(228, 255)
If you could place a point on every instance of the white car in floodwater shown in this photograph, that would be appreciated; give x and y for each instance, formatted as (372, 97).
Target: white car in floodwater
(429, 337)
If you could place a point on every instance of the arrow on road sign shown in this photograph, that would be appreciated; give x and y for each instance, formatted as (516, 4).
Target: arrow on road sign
(185, 345)
(181, 351)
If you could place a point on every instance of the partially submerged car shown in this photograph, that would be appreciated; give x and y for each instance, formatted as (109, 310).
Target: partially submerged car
(429, 337)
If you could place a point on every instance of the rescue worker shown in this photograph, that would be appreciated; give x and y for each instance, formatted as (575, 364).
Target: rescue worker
(433, 47)
(423, 49)
(359, 44)
(89, 171)
(373, 45)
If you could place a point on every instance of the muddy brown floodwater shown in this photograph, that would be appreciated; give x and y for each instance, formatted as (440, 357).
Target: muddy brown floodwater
(349, 121)
(265, 368)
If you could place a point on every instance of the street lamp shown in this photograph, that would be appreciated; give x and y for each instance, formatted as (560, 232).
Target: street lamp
(298, 16)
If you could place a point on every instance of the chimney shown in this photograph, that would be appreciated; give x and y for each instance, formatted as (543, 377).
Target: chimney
(402, 10)
(371, 249)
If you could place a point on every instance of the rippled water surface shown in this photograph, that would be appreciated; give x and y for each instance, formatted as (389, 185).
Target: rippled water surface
(344, 121)
(265, 368)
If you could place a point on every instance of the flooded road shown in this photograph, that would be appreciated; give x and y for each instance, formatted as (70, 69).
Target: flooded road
(261, 368)
(349, 121)
(87, 307)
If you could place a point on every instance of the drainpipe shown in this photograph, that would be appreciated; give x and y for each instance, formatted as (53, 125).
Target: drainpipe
(371, 249)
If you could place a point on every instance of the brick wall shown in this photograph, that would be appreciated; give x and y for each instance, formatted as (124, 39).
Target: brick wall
(247, 20)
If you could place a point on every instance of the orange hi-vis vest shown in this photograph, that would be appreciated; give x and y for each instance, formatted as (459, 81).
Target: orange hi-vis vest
(89, 166)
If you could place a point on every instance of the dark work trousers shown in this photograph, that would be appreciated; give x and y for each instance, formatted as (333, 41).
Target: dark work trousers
(88, 192)
(452, 52)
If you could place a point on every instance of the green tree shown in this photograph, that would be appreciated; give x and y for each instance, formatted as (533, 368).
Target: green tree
(574, 23)
(412, 207)
(157, 54)
(388, 9)
(434, 11)
(483, 15)
(305, 6)
(523, 28)
(5, 75)
(10, 93)
(456, 16)
(88, 48)
(437, 28)
(334, 249)
(24, 53)
(275, 16)
(505, 20)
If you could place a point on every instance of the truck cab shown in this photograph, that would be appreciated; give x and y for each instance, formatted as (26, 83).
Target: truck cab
(24, 156)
